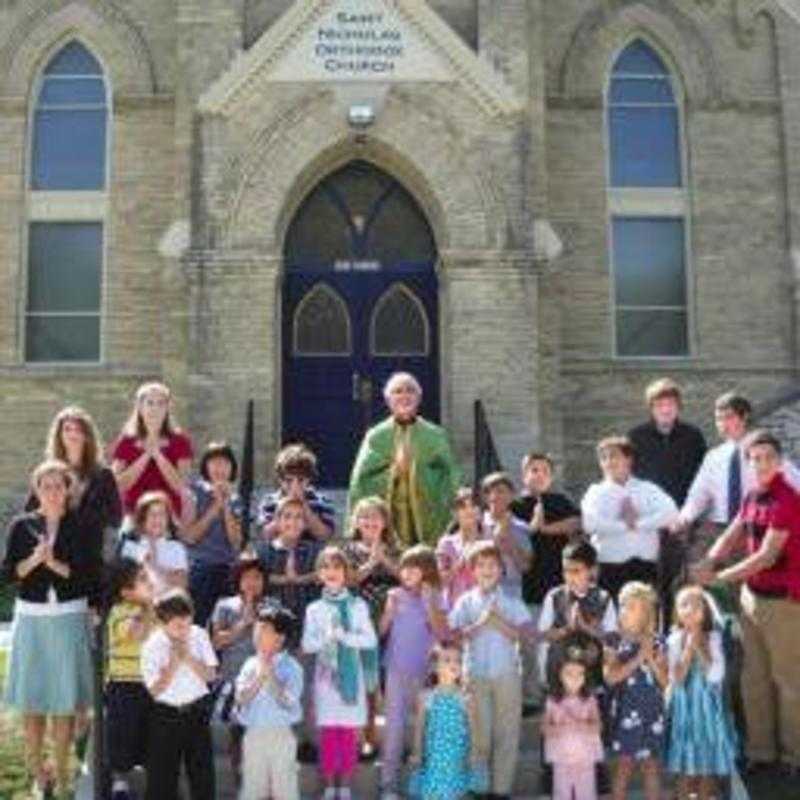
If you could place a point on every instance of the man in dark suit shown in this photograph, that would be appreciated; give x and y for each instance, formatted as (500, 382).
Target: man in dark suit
(668, 453)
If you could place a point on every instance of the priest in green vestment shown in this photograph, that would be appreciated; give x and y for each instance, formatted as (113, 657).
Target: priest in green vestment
(408, 462)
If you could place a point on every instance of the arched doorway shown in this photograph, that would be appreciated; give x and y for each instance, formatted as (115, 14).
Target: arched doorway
(360, 301)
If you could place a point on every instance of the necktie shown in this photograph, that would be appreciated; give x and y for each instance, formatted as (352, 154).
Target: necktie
(734, 484)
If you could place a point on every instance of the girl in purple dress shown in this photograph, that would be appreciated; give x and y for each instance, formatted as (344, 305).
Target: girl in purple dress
(413, 620)
(572, 730)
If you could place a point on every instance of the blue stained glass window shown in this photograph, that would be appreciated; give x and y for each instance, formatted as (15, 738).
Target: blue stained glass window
(643, 121)
(73, 59)
(638, 58)
(64, 289)
(650, 286)
(69, 124)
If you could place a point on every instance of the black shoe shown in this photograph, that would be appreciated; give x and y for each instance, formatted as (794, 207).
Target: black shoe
(755, 768)
(789, 772)
(546, 780)
(531, 710)
(368, 752)
(307, 753)
(603, 778)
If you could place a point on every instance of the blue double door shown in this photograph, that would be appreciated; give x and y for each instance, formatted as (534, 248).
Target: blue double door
(354, 311)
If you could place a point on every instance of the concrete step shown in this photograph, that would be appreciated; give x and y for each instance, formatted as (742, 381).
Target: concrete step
(366, 783)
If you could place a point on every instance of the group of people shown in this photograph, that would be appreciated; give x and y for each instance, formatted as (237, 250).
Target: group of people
(453, 611)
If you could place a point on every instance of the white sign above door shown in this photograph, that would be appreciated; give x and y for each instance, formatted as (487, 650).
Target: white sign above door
(363, 40)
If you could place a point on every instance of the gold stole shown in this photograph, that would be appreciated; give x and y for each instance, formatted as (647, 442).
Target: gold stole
(403, 488)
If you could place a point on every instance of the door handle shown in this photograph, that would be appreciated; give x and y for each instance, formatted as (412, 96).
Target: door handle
(366, 390)
(362, 389)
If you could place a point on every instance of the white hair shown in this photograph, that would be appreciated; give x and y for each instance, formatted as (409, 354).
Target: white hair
(401, 379)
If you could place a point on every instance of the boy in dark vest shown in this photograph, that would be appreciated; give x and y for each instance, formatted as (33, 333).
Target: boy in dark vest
(577, 614)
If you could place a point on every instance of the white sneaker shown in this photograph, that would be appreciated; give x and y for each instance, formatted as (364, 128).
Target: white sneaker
(390, 795)
(330, 793)
(345, 793)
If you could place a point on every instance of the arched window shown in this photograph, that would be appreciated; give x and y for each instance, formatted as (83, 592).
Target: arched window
(399, 324)
(67, 203)
(643, 121)
(649, 208)
(322, 324)
(359, 213)
(69, 124)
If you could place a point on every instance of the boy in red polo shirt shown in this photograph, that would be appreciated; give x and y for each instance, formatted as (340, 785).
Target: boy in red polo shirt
(767, 528)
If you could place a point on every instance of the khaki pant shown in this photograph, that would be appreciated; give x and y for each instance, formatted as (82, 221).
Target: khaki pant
(771, 677)
(498, 702)
(270, 765)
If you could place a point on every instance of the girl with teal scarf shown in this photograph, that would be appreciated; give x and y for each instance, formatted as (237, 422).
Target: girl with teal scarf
(339, 631)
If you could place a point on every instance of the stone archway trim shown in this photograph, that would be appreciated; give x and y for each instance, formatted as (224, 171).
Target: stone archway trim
(257, 190)
(102, 26)
(603, 31)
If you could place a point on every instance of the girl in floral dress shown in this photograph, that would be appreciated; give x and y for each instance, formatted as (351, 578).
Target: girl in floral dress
(636, 671)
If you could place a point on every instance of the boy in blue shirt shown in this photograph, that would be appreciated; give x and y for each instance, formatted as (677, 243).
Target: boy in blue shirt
(492, 622)
(268, 693)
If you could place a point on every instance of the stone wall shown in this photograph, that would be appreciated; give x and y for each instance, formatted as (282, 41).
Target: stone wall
(523, 329)
(741, 284)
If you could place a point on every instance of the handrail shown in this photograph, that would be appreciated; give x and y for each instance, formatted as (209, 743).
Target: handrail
(486, 458)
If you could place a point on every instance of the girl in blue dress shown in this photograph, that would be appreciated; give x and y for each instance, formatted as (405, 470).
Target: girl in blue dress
(701, 742)
(636, 672)
(444, 752)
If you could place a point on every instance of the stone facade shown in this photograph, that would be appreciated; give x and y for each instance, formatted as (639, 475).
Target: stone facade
(211, 157)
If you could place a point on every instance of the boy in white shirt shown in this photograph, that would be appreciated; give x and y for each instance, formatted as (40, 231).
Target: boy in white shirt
(178, 663)
(268, 693)
(622, 515)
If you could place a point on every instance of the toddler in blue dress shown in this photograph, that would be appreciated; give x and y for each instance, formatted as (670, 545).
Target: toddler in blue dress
(444, 735)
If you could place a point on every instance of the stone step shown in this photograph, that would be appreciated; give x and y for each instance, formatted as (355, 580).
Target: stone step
(366, 781)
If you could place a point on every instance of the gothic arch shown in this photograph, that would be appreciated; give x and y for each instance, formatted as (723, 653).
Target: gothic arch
(261, 190)
(603, 32)
(415, 323)
(102, 27)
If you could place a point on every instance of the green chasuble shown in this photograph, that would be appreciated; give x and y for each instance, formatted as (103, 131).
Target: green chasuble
(420, 499)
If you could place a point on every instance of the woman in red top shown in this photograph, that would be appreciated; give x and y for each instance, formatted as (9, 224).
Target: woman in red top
(152, 454)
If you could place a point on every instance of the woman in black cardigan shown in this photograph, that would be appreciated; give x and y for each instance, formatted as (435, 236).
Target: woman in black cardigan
(50, 670)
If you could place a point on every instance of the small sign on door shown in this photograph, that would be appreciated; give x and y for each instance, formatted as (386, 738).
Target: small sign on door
(356, 266)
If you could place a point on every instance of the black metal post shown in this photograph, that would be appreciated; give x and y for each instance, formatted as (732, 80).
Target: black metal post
(246, 478)
(100, 773)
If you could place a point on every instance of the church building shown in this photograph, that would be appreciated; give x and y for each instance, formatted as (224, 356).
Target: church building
(539, 204)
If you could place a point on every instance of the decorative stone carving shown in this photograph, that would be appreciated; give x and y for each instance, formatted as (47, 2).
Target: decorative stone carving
(101, 25)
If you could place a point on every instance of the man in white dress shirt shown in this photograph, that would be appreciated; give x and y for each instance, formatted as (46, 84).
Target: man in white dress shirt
(622, 515)
(724, 478)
